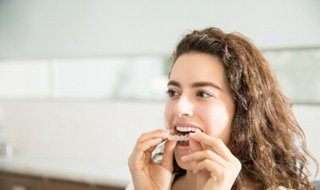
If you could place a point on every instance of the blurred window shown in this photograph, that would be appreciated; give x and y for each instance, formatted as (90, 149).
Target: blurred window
(136, 78)
(298, 73)
(141, 77)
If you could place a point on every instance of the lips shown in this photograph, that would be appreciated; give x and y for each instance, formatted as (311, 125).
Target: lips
(186, 128)
(182, 131)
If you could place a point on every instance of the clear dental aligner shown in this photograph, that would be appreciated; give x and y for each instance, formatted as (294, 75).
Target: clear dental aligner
(178, 137)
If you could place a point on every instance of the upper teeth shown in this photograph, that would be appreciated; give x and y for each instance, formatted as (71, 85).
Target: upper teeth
(186, 129)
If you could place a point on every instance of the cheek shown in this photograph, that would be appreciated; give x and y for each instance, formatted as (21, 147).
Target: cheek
(169, 114)
(218, 121)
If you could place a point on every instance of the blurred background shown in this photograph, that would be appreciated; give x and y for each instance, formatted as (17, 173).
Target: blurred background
(81, 79)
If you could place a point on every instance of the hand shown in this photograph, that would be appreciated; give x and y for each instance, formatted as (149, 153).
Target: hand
(214, 161)
(145, 173)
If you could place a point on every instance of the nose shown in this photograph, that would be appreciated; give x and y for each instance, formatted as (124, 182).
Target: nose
(184, 107)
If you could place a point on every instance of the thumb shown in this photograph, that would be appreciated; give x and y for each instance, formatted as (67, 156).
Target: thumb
(168, 154)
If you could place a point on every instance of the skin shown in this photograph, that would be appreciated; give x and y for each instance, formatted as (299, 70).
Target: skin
(198, 97)
(145, 173)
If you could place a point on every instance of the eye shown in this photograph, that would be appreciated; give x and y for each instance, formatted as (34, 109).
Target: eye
(204, 94)
(172, 93)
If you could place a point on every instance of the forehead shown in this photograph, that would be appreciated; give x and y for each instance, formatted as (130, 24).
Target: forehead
(194, 67)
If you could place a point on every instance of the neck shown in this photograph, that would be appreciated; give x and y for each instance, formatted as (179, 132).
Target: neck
(191, 181)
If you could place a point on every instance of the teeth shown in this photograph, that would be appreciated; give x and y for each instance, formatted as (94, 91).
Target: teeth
(182, 137)
(178, 137)
(186, 129)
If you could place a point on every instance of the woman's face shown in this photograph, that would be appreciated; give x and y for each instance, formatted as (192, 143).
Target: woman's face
(198, 98)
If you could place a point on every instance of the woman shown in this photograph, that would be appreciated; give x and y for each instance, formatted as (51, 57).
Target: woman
(229, 125)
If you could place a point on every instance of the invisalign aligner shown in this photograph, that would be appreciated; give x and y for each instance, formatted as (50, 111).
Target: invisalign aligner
(178, 137)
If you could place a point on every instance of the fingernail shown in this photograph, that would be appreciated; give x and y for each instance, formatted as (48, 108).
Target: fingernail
(183, 158)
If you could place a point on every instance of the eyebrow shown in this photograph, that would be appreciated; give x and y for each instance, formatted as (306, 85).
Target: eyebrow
(196, 84)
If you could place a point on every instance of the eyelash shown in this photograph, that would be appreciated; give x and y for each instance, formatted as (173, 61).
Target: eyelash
(200, 93)
(171, 93)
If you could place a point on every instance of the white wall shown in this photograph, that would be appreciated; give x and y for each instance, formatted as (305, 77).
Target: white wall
(101, 134)
(73, 28)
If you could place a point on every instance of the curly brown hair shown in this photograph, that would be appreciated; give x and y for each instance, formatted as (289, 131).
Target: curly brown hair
(265, 135)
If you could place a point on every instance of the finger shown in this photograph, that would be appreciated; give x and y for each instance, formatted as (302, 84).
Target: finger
(195, 145)
(217, 170)
(139, 156)
(160, 133)
(212, 167)
(203, 155)
(216, 144)
(140, 149)
(167, 159)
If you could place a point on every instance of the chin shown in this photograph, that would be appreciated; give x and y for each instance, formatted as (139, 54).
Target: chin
(184, 165)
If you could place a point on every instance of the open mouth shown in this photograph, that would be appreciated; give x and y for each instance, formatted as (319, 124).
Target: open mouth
(181, 135)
